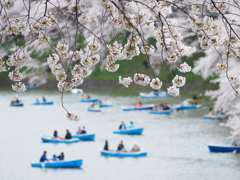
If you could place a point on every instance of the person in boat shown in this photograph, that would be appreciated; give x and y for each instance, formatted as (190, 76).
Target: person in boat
(68, 135)
(106, 146)
(44, 99)
(17, 100)
(83, 131)
(122, 126)
(155, 108)
(54, 158)
(166, 106)
(195, 97)
(131, 125)
(88, 96)
(135, 148)
(37, 100)
(211, 112)
(96, 106)
(121, 147)
(236, 142)
(55, 135)
(82, 97)
(108, 102)
(139, 104)
(43, 157)
(61, 157)
(79, 130)
(161, 107)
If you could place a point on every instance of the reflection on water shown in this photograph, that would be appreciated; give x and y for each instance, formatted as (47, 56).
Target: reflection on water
(176, 144)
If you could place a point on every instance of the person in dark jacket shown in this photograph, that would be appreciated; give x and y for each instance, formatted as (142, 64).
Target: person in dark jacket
(55, 134)
(61, 157)
(121, 146)
(106, 146)
(122, 126)
(43, 157)
(83, 131)
(68, 135)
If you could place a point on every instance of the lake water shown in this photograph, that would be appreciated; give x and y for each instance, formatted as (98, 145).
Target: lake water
(176, 144)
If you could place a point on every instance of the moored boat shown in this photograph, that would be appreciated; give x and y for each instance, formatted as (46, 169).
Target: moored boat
(44, 103)
(55, 140)
(184, 107)
(161, 112)
(59, 164)
(193, 101)
(164, 95)
(17, 104)
(129, 131)
(88, 100)
(215, 117)
(92, 109)
(217, 148)
(123, 154)
(145, 107)
(76, 91)
(147, 95)
(31, 87)
(86, 137)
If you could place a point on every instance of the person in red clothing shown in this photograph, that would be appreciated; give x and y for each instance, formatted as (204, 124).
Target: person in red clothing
(139, 104)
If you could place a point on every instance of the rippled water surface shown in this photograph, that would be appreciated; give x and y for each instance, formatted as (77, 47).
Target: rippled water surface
(176, 144)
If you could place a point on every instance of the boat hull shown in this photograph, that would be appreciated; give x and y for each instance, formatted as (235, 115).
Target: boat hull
(147, 95)
(85, 137)
(129, 131)
(147, 107)
(214, 117)
(213, 148)
(31, 87)
(195, 101)
(161, 112)
(43, 103)
(94, 110)
(17, 104)
(123, 154)
(59, 164)
(88, 100)
(105, 105)
(54, 140)
(187, 107)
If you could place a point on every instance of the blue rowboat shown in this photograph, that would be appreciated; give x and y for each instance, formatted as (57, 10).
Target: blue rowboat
(85, 137)
(183, 107)
(55, 140)
(17, 104)
(129, 131)
(230, 148)
(161, 112)
(164, 95)
(123, 154)
(146, 107)
(105, 105)
(59, 164)
(31, 87)
(147, 95)
(94, 109)
(215, 117)
(88, 100)
(43, 103)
